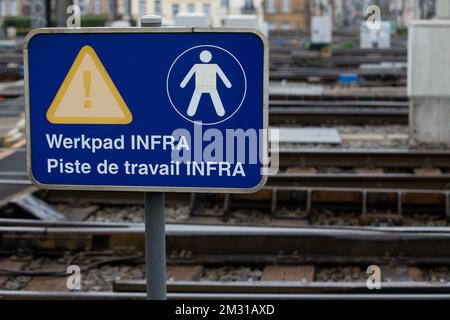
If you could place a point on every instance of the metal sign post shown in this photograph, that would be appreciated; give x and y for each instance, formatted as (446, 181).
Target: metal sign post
(155, 245)
(155, 227)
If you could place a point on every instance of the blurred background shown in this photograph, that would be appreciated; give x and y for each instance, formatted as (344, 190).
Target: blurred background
(278, 15)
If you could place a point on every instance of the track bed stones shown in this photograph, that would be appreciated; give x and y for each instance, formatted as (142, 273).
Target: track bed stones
(175, 212)
(133, 214)
(437, 274)
(338, 274)
(231, 273)
(102, 279)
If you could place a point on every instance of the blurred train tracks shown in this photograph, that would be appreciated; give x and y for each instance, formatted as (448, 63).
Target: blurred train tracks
(288, 112)
(303, 167)
(227, 262)
(311, 233)
(371, 66)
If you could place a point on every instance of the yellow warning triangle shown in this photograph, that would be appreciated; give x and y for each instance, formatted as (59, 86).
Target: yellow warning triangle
(88, 95)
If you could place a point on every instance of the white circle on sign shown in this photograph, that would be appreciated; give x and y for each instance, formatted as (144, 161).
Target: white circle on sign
(204, 57)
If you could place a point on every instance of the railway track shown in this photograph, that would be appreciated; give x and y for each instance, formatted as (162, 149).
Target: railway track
(246, 291)
(372, 104)
(298, 59)
(355, 97)
(42, 232)
(392, 75)
(346, 52)
(285, 112)
(304, 113)
(232, 245)
(200, 258)
(51, 295)
(373, 65)
(313, 207)
(310, 168)
(361, 180)
(365, 158)
(191, 246)
(12, 182)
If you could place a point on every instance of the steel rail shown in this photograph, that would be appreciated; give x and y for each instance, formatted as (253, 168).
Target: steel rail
(400, 105)
(286, 287)
(341, 157)
(384, 158)
(254, 245)
(58, 295)
(344, 180)
(360, 180)
(330, 115)
(340, 96)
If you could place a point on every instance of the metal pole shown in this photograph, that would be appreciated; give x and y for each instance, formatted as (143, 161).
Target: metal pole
(61, 9)
(155, 232)
(48, 13)
(155, 245)
(151, 20)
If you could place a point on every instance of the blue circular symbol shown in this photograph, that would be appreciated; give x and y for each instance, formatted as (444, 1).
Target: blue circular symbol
(206, 84)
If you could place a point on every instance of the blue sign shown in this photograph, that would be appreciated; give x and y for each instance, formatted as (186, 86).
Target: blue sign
(133, 109)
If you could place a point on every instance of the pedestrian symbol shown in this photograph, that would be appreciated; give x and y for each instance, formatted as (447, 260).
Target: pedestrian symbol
(206, 84)
(88, 95)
